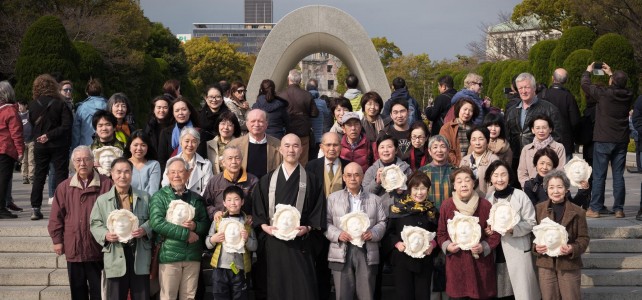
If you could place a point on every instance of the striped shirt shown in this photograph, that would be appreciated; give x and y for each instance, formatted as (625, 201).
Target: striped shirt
(440, 180)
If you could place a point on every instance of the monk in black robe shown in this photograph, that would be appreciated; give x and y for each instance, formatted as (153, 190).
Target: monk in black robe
(290, 265)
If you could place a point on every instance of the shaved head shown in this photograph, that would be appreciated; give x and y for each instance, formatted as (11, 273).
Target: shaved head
(353, 177)
(290, 149)
(354, 167)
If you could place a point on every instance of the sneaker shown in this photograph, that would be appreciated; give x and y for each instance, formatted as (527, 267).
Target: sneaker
(36, 215)
(606, 211)
(14, 207)
(639, 215)
(50, 201)
(592, 214)
(619, 214)
(5, 214)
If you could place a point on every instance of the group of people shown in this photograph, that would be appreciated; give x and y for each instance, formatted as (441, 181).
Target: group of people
(204, 190)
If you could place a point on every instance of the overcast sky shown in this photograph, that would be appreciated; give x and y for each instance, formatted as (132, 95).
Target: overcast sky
(439, 28)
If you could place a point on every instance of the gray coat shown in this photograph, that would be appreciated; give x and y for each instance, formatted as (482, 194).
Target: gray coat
(339, 205)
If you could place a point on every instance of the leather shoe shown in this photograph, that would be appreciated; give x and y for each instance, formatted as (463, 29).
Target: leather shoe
(592, 214)
(606, 211)
(639, 215)
(14, 207)
(619, 214)
(5, 214)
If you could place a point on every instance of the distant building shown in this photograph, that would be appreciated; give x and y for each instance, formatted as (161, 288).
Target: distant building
(509, 40)
(258, 11)
(250, 36)
(323, 67)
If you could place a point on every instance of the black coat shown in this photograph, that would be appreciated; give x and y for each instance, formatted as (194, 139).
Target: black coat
(570, 113)
(277, 112)
(393, 235)
(208, 120)
(317, 167)
(637, 115)
(51, 116)
(612, 112)
(437, 112)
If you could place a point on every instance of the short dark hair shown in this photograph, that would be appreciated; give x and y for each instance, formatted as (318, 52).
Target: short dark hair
(384, 136)
(446, 80)
(544, 117)
(171, 87)
(312, 85)
(233, 189)
(461, 102)
(122, 160)
(94, 87)
(619, 79)
(169, 115)
(398, 101)
(398, 83)
(228, 116)
(496, 119)
(548, 152)
(371, 96)
(140, 134)
(193, 114)
(417, 178)
(352, 81)
(481, 129)
(340, 101)
(466, 170)
(103, 114)
(494, 166)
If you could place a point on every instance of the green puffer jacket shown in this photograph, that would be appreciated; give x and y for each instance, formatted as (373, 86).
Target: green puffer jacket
(175, 247)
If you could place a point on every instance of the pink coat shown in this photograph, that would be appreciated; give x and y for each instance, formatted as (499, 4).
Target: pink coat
(11, 142)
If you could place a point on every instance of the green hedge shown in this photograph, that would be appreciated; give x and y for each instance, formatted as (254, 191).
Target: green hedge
(578, 37)
(514, 68)
(45, 48)
(539, 57)
(575, 64)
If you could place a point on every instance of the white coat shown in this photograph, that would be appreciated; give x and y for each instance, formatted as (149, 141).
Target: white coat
(198, 178)
(517, 248)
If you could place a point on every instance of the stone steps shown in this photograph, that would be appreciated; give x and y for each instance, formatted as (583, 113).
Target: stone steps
(21, 244)
(610, 245)
(32, 261)
(612, 260)
(18, 277)
(612, 292)
(35, 292)
(611, 277)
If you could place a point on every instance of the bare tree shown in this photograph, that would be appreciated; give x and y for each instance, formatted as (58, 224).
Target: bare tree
(508, 40)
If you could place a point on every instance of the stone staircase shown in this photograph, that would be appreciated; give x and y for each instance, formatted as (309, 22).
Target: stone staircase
(613, 261)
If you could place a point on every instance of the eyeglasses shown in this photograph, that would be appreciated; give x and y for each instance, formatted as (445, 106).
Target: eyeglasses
(416, 138)
(214, 97)
(84, 159)
(240, 91)
(478, 83)
(67, 90)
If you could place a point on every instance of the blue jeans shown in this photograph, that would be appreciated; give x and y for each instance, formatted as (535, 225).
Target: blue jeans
(603, 153)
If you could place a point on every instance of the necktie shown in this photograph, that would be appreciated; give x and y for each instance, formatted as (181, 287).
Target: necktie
(331, 172)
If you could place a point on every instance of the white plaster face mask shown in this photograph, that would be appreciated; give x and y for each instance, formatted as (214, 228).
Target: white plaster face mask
(417, 240)
(123, 223)
(577, 170)
(179, 211)
(464, 230)
(503, 217)
(233, 242)
(105, 156)
(393, 178)
(552, 235)
(355, 224)
(286, 219)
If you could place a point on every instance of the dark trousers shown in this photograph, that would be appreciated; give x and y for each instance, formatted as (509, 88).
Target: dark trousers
(410, 285)
(259, 271)
(130, 283)
(6, 173)
(43, 156)
(324, 276)
(638, 149)
(84, 279)
(227, 285)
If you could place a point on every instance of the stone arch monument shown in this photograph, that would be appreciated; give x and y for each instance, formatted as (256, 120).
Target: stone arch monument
(312, 29)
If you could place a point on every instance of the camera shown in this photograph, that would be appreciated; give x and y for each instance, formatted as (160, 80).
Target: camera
(507, 91)
(597, 65)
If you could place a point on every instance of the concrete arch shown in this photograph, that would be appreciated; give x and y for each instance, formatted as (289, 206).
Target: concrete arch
(312, 29)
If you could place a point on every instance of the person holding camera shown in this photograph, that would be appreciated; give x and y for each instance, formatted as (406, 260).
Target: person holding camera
(610, 135)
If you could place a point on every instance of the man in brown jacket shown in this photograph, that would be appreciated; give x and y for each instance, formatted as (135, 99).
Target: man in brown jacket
(260, 149)
(69, 225)
(301, 108)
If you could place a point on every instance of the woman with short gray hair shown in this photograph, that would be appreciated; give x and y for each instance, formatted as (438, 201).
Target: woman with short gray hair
(200, 168)
(11, 143)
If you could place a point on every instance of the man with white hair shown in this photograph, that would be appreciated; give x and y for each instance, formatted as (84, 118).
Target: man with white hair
(301, 108)
(288, 266)
(69, 224)
(518, 117)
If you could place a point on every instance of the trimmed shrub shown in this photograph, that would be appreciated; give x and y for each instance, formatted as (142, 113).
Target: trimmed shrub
(578, 37)
(458, 79)
(575, 64)
(495, 74)
(90, 65)
(45, 48)
(539, 57)
(617, 52)
(513, 69)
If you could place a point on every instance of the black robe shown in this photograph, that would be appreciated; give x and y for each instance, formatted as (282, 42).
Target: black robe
(290, 264)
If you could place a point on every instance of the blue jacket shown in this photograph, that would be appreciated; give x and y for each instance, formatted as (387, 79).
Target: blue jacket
(323, 122)
(414, 112)
(277, 112)
(479, 101)
(82, 130)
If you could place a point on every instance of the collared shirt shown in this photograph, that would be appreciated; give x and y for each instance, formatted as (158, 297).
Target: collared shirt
(335, 165)
(523, 112)
(285, 172)
(355, 201)
(253, 141)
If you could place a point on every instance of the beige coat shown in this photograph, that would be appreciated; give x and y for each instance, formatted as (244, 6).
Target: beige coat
(526, 169)
(517, 248)
(273, 156)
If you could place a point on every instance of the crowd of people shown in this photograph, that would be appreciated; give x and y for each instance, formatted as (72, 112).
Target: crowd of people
(187, 206)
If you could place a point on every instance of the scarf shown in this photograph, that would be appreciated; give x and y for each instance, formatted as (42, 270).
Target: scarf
(504, 193)
(408, 206)
(468, 208)
(417, 153)
(176, 133)
(543, 144)
(378, 124)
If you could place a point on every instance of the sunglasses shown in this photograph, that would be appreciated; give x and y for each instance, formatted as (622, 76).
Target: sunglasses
(67, 90)
(240, 91)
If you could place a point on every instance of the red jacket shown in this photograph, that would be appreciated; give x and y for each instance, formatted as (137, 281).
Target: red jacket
(11, 142)
(70, 216)
(361, 154)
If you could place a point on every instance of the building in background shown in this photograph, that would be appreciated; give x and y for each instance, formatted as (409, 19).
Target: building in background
(258, 11)
(323, 67)
(509, 40)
